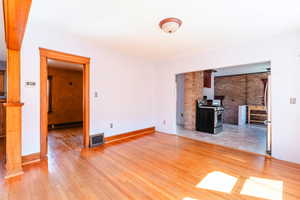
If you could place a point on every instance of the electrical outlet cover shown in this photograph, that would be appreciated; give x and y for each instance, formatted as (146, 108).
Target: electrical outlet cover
(293, 100)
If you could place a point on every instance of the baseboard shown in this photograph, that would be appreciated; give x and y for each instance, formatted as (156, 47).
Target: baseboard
(288, 163)
(36, 157)
(31, 158)
(65, 125)
(13, 174)
(129, 134)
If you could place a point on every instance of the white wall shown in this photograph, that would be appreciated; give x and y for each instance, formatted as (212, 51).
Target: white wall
(283, 52)
(2, 35)
(133, 94)
(125, 85)
(180, 99)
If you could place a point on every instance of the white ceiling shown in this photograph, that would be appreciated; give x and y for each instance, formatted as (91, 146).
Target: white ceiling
(64, 65)
(2, 35)
(131, 27)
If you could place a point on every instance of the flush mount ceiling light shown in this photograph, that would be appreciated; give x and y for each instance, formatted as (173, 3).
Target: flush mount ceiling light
(170, 25)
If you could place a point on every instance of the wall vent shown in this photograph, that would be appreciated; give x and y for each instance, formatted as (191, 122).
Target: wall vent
(96, 140)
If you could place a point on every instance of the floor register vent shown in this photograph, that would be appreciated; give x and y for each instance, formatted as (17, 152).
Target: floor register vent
(96, 140)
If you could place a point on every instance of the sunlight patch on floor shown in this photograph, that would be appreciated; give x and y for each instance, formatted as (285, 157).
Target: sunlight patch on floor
(263, 188)
(189, 198)
(218, 181)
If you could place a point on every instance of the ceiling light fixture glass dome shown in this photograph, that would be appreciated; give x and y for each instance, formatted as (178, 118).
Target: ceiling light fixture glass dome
(170, 25)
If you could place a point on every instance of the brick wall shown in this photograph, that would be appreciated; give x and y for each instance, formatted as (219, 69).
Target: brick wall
(193, 90)
(255, 88)
(239, 90)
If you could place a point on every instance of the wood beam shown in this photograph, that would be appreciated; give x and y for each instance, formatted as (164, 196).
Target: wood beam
(15, 19)
(13, 116)
(13, 76)
(86, 104)
(43, 107)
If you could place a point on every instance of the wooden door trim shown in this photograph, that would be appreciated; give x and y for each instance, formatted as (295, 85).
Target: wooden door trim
(46, 54)
(61, 56)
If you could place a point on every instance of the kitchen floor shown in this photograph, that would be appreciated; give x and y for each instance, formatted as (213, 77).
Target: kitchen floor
(248, 138)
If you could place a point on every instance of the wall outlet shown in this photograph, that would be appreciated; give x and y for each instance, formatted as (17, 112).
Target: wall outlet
(96, 94)
(111, 125)
(293, 100)
(164, 122)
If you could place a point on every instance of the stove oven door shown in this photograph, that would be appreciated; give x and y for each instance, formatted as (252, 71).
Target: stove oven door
(218, 118)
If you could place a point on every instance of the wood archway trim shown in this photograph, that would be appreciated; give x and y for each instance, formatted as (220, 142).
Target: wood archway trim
(46, 54)
(16, 14)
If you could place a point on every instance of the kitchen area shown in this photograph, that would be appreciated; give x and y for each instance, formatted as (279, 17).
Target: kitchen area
(226, 106)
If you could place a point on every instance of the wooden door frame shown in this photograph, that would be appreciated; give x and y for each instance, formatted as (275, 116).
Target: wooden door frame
(46, 54)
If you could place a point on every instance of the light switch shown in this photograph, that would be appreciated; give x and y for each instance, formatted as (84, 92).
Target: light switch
(29, 84)
(293, 100)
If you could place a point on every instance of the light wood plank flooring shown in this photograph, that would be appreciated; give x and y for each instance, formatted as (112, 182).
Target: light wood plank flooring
(155, 166)
(2, 157)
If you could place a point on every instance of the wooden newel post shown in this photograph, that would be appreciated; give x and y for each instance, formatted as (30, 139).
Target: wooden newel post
(15, 19)
(13, 116)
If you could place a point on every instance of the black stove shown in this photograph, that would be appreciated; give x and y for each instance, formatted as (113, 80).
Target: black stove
(209, 118)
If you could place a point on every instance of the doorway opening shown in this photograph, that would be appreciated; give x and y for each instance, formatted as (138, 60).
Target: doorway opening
(227, 106)
(64, 99)
(2, 115)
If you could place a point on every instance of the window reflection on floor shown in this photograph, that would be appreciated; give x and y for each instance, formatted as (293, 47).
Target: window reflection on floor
(189, 198)
(253, 186)
(263, 188)
(218, 181)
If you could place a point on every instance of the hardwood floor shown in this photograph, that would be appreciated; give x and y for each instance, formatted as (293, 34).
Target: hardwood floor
(2, 157)
(154, 166)
(61, 140)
